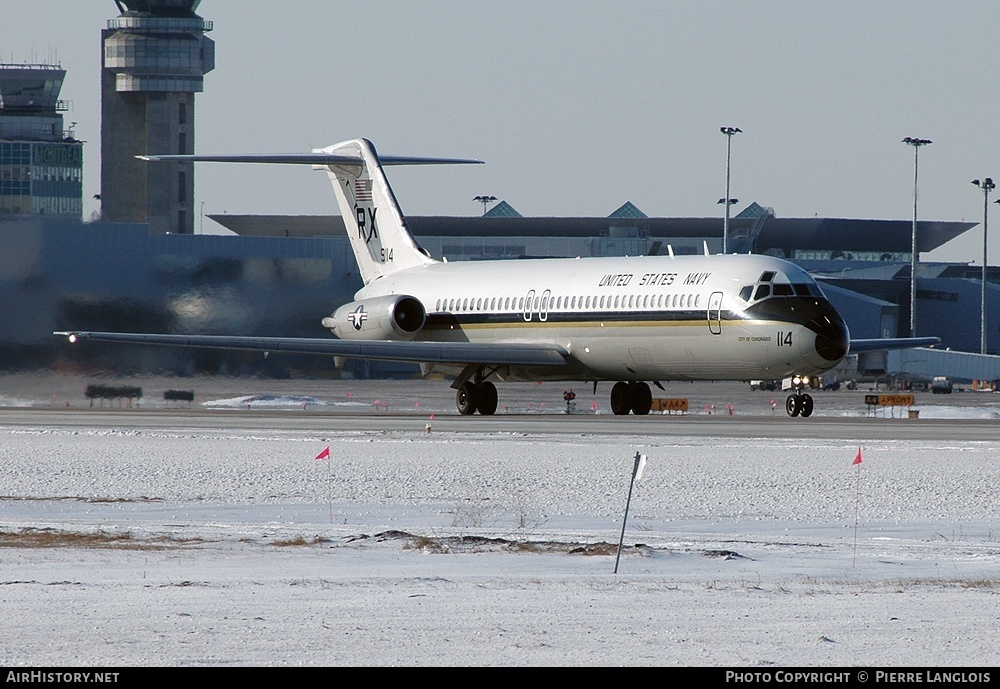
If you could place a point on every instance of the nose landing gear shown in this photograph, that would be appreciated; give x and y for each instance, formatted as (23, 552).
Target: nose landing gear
(799, 404)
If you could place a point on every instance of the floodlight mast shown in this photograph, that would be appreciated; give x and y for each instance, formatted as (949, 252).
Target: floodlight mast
(916, 143)
(987, 186)
(486, 200)
(727, 201)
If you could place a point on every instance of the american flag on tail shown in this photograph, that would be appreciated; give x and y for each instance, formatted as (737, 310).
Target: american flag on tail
(362, 190)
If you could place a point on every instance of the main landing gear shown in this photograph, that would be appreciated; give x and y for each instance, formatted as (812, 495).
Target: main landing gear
(472, 397)
(633, 396)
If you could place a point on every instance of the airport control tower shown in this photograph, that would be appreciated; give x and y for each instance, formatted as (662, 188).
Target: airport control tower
(41, 162)
(156, 55)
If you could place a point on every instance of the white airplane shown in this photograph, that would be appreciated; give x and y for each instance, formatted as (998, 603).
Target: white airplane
(628, 320)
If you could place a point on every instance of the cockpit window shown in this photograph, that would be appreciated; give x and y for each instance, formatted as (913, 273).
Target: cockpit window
(766, 287)
(807, 289)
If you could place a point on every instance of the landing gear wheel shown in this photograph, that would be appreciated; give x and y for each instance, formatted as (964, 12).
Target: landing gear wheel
(466, 398)
(487, 403)
(642, 399)
(806, 406)
(621, 399)
(793, 405)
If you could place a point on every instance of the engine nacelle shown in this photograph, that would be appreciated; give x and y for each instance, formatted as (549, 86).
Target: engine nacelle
(392, 317)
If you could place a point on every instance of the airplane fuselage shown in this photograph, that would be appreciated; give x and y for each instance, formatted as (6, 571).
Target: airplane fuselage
(638, 318)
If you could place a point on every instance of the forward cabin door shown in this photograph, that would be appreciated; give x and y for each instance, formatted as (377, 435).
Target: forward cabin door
(715, 313)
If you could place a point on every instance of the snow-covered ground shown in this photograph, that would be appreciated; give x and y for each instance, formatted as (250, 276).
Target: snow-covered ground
(162, 546)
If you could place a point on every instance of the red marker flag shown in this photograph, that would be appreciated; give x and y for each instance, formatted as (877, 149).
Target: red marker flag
(857, 460)
(325, 454)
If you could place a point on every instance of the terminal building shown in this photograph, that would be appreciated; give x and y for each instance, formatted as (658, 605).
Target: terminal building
(141, 269)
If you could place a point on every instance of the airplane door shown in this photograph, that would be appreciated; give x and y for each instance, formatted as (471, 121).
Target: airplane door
(543, 311)
(715, 313)
(528, 299)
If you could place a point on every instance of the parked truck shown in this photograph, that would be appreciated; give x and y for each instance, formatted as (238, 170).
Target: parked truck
(941, 385)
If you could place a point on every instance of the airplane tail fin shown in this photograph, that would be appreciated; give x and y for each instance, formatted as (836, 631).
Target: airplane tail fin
(376, 228)
(381, 242)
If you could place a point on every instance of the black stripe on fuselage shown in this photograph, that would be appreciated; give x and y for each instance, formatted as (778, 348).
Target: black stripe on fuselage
(445, 320)
(804, 311)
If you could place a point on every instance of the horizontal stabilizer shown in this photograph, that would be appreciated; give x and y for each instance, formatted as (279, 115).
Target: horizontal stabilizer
(305, 159)
(892, 343)
(513, 354)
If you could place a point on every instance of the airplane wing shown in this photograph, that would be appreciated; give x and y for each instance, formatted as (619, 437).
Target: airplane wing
(514, 354)
(892, 343)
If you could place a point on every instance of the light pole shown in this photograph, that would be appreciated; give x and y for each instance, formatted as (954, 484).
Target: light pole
(987, 186)
(485, 200)
(916, 143)
(728, 131)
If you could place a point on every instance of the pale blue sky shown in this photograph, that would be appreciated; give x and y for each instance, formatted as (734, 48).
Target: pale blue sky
(577, 107)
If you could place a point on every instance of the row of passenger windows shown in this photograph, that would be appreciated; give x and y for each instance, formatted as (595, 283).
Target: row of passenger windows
(545, 303)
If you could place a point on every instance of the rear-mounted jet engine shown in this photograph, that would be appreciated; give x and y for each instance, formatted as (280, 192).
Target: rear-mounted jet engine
(392, 317)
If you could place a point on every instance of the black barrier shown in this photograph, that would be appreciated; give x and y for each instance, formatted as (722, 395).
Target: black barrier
(112, 392)
(179, 395)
